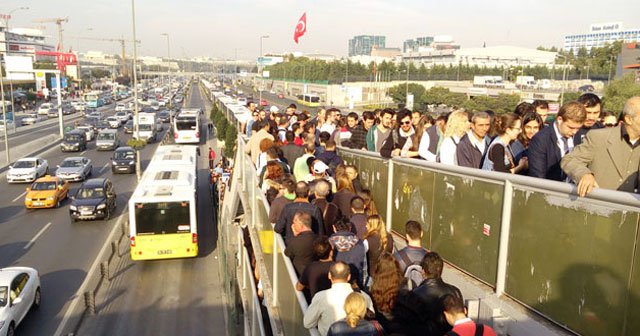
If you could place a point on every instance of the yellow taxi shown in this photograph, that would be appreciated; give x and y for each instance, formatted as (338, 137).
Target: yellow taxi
(46, 192)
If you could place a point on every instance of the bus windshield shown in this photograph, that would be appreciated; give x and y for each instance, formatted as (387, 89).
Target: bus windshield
(162, 218)
(186, 124)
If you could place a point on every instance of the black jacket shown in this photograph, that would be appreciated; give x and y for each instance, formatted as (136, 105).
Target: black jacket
(393, 141)
(432, 292)
(283, 225)
(300, 250)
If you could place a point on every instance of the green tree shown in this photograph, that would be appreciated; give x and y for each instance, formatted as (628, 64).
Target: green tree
(618, 91)
(230, 141)
(398, 93)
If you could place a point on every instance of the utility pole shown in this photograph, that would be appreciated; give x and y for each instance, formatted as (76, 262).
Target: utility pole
(135, 87)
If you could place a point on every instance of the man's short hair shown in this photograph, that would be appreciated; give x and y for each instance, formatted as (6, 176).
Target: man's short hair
(403, 113)
(353, 115)
(289, 136)
(333, 110)
(324, 136)
(357, 203)
(573, 111)
(293, 106)
(321, 247)
(302, 189)
(524, 108)
(432, 265)
(339, 271)
(543, 104)
(387, 111)
(480, 115)
(322, 188)
(413, 229)
(330, 144)
(260, 124)
(342, 224)
(310, 148)
(368, 115)
(453, 304)
(589, 100)
(304, 218)
(289, 185)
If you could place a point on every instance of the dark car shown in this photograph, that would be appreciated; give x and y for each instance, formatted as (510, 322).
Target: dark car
(128, 127)
(74, 141)
(164, 116)
(103, 125)
(123, 160)
(95, 199)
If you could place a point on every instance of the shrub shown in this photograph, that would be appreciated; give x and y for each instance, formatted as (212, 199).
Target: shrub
(136, 144)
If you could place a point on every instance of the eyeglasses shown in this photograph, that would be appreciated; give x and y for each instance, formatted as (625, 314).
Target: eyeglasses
(406, 122)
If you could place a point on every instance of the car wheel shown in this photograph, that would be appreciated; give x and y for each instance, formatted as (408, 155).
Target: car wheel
(73, 220)
(36, 299)
(12, 330)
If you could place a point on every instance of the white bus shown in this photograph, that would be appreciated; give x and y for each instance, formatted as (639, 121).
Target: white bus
(186, 127)
(162, 209)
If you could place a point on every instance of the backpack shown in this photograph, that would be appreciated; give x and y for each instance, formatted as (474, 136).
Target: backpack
(413, 273)
(479, 331)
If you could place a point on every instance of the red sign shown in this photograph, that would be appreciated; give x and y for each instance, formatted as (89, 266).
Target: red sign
(554, 107)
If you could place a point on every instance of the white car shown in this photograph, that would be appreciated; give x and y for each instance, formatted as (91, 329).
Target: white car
(9, 123)
(30, 119)
(123, 116)
(88, 130)
(120, 107)
(27, 169)
(114, 122)
(19, 293)
(44, 108)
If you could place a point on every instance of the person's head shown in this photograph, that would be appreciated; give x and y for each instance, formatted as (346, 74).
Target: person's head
(322, 114)
(441, 121)
(351, 172)
(343, 182)
(524, 108)
(367, 196)
(289, 187)
(355, 307)
(387, 279)
(403, 120)
(531, 124)
(631, 117)
(330, 146)
(570, 118)
(609, 119)
(333, 114)
(319, 168)
(301, 222)
(302, 190)
(339, 272)
(251, 106)
(413, 231)
(386, 118)
(342, 225)
(542, 109)
(415, 118)
(291, 109)
(508, 125)
(262, 115)
(593, 106)
(296, 129)
(457, 124)
(376, 226)
(273, 171)
(322, 248)
(480, 124)
(264, 124)
(265, 144)
(322, 189)
(432, 265)
(272, 153)
(352, 120)
(323, 137)
(453, 308)
(357, 204)
(310, 148)
(289, 136)
(368, 119)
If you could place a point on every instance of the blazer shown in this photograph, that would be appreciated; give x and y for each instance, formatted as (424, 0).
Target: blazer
(607, 155)
(545, 156)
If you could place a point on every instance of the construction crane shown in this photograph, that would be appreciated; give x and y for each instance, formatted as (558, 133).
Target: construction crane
(58, 22)
(122, 41)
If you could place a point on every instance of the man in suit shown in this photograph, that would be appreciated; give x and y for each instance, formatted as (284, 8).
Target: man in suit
(593, 106)
(610, 157)
(552, 143)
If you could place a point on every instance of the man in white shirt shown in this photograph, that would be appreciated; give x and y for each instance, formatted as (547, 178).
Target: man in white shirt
(327, 306)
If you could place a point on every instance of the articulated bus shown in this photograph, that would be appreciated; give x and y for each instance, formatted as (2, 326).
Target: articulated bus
(308, 99)
(186, 126)
(93, 99)
(162, 209)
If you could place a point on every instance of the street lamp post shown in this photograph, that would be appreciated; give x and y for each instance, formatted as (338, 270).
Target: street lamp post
(135, 85)
(260, 68)
(610, 63)
(169, 61)
(564, 78)
(13, 109)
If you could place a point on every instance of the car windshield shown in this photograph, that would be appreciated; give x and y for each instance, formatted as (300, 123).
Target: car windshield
(71, 163)
(112, 119)
(103, 123)
(124, 155)
(29, 116)
(106, 136)
(129, 124)
(86, 193)
(72, 137)
(3, 295)
(24, 164)
(145, 127)
(44, 186)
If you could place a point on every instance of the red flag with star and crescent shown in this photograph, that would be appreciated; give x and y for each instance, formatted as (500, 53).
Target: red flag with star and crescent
(301, 27)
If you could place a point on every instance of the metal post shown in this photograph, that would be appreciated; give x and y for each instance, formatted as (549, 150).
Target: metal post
(4, 117)
(135, 86)
(610, 64)
(564, 81)
(59, 90)
(389, 215)
(505, 227)
(276, 279)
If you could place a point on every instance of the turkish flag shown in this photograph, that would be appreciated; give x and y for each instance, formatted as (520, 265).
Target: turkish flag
(301, 27)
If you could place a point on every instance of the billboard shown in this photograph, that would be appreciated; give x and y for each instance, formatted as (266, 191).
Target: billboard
(19, 67)
(63, 82)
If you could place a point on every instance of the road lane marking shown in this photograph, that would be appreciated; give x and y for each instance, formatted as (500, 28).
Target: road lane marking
(33, 240)
(19, 196)
(104, 167)
(84, 151)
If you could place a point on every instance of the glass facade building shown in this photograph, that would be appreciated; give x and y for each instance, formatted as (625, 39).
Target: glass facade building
(362, 44)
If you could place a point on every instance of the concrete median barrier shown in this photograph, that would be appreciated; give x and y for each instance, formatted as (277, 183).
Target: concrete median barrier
(30, 148)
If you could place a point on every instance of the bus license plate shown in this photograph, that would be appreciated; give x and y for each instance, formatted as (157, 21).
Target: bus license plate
(187, 137)
(162, 252)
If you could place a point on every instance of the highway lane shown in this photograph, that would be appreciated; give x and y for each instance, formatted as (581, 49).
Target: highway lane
(62, 251)
(168, 297)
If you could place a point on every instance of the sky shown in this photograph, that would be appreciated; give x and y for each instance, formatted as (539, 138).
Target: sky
(226, 28)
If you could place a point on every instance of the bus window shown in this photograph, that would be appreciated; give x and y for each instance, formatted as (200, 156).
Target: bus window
(162, 218)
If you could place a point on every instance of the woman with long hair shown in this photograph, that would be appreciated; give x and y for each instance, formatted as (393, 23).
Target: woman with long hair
(499, 156)
(378, 240)
(531, 124)
(262, 157)
(457, 125)
(272, 177)
(355, 307)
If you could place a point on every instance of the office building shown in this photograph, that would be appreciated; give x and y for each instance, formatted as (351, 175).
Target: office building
(414, 45)
(24, 42)
(600, 34)
(362, 44)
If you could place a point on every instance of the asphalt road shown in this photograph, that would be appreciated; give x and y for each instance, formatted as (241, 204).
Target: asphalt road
(168, 297)
(47, 240)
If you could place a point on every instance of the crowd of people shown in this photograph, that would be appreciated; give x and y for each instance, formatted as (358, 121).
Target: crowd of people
(354, 278)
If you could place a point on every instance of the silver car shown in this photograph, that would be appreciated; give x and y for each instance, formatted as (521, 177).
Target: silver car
(76, 168)
(30, 119)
